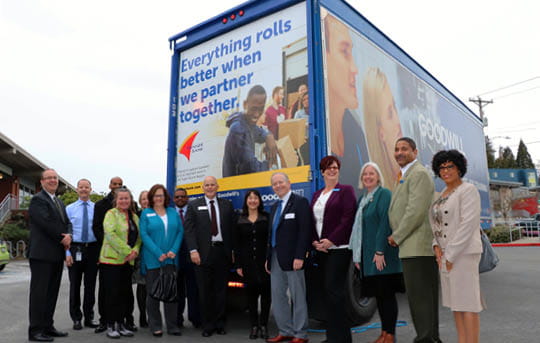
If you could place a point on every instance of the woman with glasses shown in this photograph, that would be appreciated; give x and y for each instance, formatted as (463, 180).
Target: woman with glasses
(161, 233)
(333, 209)
(121, 244)
(455, 221)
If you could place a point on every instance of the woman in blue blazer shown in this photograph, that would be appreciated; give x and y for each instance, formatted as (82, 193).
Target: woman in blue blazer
(161, 233)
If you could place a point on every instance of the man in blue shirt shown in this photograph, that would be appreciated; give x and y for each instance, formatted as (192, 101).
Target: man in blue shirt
(82, 258)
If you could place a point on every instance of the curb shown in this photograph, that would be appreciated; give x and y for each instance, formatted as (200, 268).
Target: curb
(515, 244)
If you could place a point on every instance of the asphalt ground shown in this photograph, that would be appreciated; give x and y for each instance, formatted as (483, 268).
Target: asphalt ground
(512, 292)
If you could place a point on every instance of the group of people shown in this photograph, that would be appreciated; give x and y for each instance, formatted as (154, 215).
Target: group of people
(400, 241)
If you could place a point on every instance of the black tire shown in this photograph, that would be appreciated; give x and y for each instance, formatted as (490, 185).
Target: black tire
(2, 266)
(358, 309)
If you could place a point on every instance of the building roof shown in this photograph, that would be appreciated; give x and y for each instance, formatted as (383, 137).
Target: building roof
(15, 161)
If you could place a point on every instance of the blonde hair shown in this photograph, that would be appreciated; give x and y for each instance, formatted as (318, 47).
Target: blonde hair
(373, 87)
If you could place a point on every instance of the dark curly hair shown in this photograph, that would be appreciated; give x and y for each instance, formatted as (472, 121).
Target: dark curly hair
(453, 156)
(327, 161)
(245, 211)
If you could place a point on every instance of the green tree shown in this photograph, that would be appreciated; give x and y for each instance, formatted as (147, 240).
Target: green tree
(523, 159)
(72, 196)
(490, 152)
(506, 159)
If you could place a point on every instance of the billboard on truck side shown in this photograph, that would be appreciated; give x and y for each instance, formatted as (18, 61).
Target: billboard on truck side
(234, 91)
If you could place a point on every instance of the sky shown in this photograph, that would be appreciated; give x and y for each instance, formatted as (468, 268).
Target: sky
(84, 86)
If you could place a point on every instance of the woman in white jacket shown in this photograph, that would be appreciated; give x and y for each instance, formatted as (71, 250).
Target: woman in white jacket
(455, 221)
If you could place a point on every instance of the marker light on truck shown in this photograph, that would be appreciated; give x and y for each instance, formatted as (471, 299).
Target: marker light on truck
(234, 284)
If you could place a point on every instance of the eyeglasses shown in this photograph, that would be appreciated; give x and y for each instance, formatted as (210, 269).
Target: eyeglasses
(332, 168)
(50, 178)
(159, 195)
(448, 167)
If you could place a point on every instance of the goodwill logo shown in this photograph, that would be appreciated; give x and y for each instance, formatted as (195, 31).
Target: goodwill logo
(187, 147)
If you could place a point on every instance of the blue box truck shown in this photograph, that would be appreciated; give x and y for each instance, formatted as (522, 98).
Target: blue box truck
(334, 84)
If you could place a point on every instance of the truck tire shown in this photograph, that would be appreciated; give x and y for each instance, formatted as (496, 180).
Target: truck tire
(358, 309)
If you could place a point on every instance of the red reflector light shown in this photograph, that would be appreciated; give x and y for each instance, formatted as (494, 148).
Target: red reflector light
(233, 16)
(224, 20)
(233, 284)
(241, 12)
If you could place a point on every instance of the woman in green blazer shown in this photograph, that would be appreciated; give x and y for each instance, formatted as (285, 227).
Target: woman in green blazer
(121, 244)
(378, 262)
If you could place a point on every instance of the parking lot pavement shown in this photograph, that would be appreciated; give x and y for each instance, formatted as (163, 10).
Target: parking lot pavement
(511, 290)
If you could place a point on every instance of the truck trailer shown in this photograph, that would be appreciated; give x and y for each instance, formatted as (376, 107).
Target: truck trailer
(334, 85)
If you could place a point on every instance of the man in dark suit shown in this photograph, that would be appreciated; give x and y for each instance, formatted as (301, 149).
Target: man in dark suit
(187, 282)
(289, 240)
(100, 209)
(208, 230)
(50, 237)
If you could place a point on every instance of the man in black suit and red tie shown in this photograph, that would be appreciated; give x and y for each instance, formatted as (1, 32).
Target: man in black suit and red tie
(50, 237)
(187, 283)
(208, 233)
(289, 240)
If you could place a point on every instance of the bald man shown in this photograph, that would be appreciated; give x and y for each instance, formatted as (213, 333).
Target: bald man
(208, 229)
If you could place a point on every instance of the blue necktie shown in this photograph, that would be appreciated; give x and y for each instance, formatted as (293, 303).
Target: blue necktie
(84, 235)
(276, 222)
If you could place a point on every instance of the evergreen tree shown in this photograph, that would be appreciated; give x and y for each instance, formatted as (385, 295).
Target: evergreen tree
(490, 152)
(506, 159)
(523, 159)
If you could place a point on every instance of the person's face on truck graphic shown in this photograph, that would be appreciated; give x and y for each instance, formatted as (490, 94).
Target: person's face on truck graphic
(341, 69)
(254, 107)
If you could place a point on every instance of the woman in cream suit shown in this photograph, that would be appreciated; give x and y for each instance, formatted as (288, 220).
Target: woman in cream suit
(455, 220)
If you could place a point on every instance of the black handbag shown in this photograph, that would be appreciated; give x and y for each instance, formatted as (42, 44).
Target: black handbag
(164, 287)
(489, 259)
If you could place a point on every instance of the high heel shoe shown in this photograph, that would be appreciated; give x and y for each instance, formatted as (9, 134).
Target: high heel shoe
(254, 333)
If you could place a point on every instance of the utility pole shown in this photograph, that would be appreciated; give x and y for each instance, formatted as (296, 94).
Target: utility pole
(481, 104)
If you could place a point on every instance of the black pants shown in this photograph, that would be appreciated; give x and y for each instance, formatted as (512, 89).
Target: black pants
(86, 268)
(421, 278)
(212, 281)
(187, 288)
(118, 294)
(141, 302)
(388, 311)
(254, 291)
(153, 306)
(335, 265)
(44, 286)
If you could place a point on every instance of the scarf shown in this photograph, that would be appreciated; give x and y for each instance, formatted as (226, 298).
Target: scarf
(355, 242)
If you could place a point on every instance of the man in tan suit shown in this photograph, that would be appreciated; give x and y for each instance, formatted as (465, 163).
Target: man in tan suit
(409, 219)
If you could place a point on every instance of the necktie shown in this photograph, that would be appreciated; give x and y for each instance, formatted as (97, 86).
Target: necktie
(182, 215)
(275, 224)
(59, 208)
(213, 224)
(84, 234)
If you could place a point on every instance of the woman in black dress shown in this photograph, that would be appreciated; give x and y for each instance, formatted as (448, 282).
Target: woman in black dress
(251, 236)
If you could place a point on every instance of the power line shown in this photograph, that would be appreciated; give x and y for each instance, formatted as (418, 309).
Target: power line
(518, 92)
(508, 86)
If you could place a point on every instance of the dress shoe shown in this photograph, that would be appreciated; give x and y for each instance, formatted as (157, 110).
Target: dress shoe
(90, 323)
(130, 326)
(299, 340)
(254, 333)
(174, 333)
(380, 339)
(77, 325)
(263, 332)
(221, 331)
(389, 338)
(158, 333)
(55, 333)
(101, 328)
(279, 338)
(39, 337)
(207, 333)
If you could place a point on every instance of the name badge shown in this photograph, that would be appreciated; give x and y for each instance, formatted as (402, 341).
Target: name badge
(289, 215)
(150, 214)
(202, 208)
(78, 256)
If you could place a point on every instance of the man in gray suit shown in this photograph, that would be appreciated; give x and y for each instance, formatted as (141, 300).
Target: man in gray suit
(208, 226)
(409, 219)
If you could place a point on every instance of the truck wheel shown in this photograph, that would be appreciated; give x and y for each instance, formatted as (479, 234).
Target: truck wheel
(359, 309)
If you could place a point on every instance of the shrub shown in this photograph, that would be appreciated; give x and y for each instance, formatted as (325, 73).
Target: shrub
(14, 232)
(501, 234)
